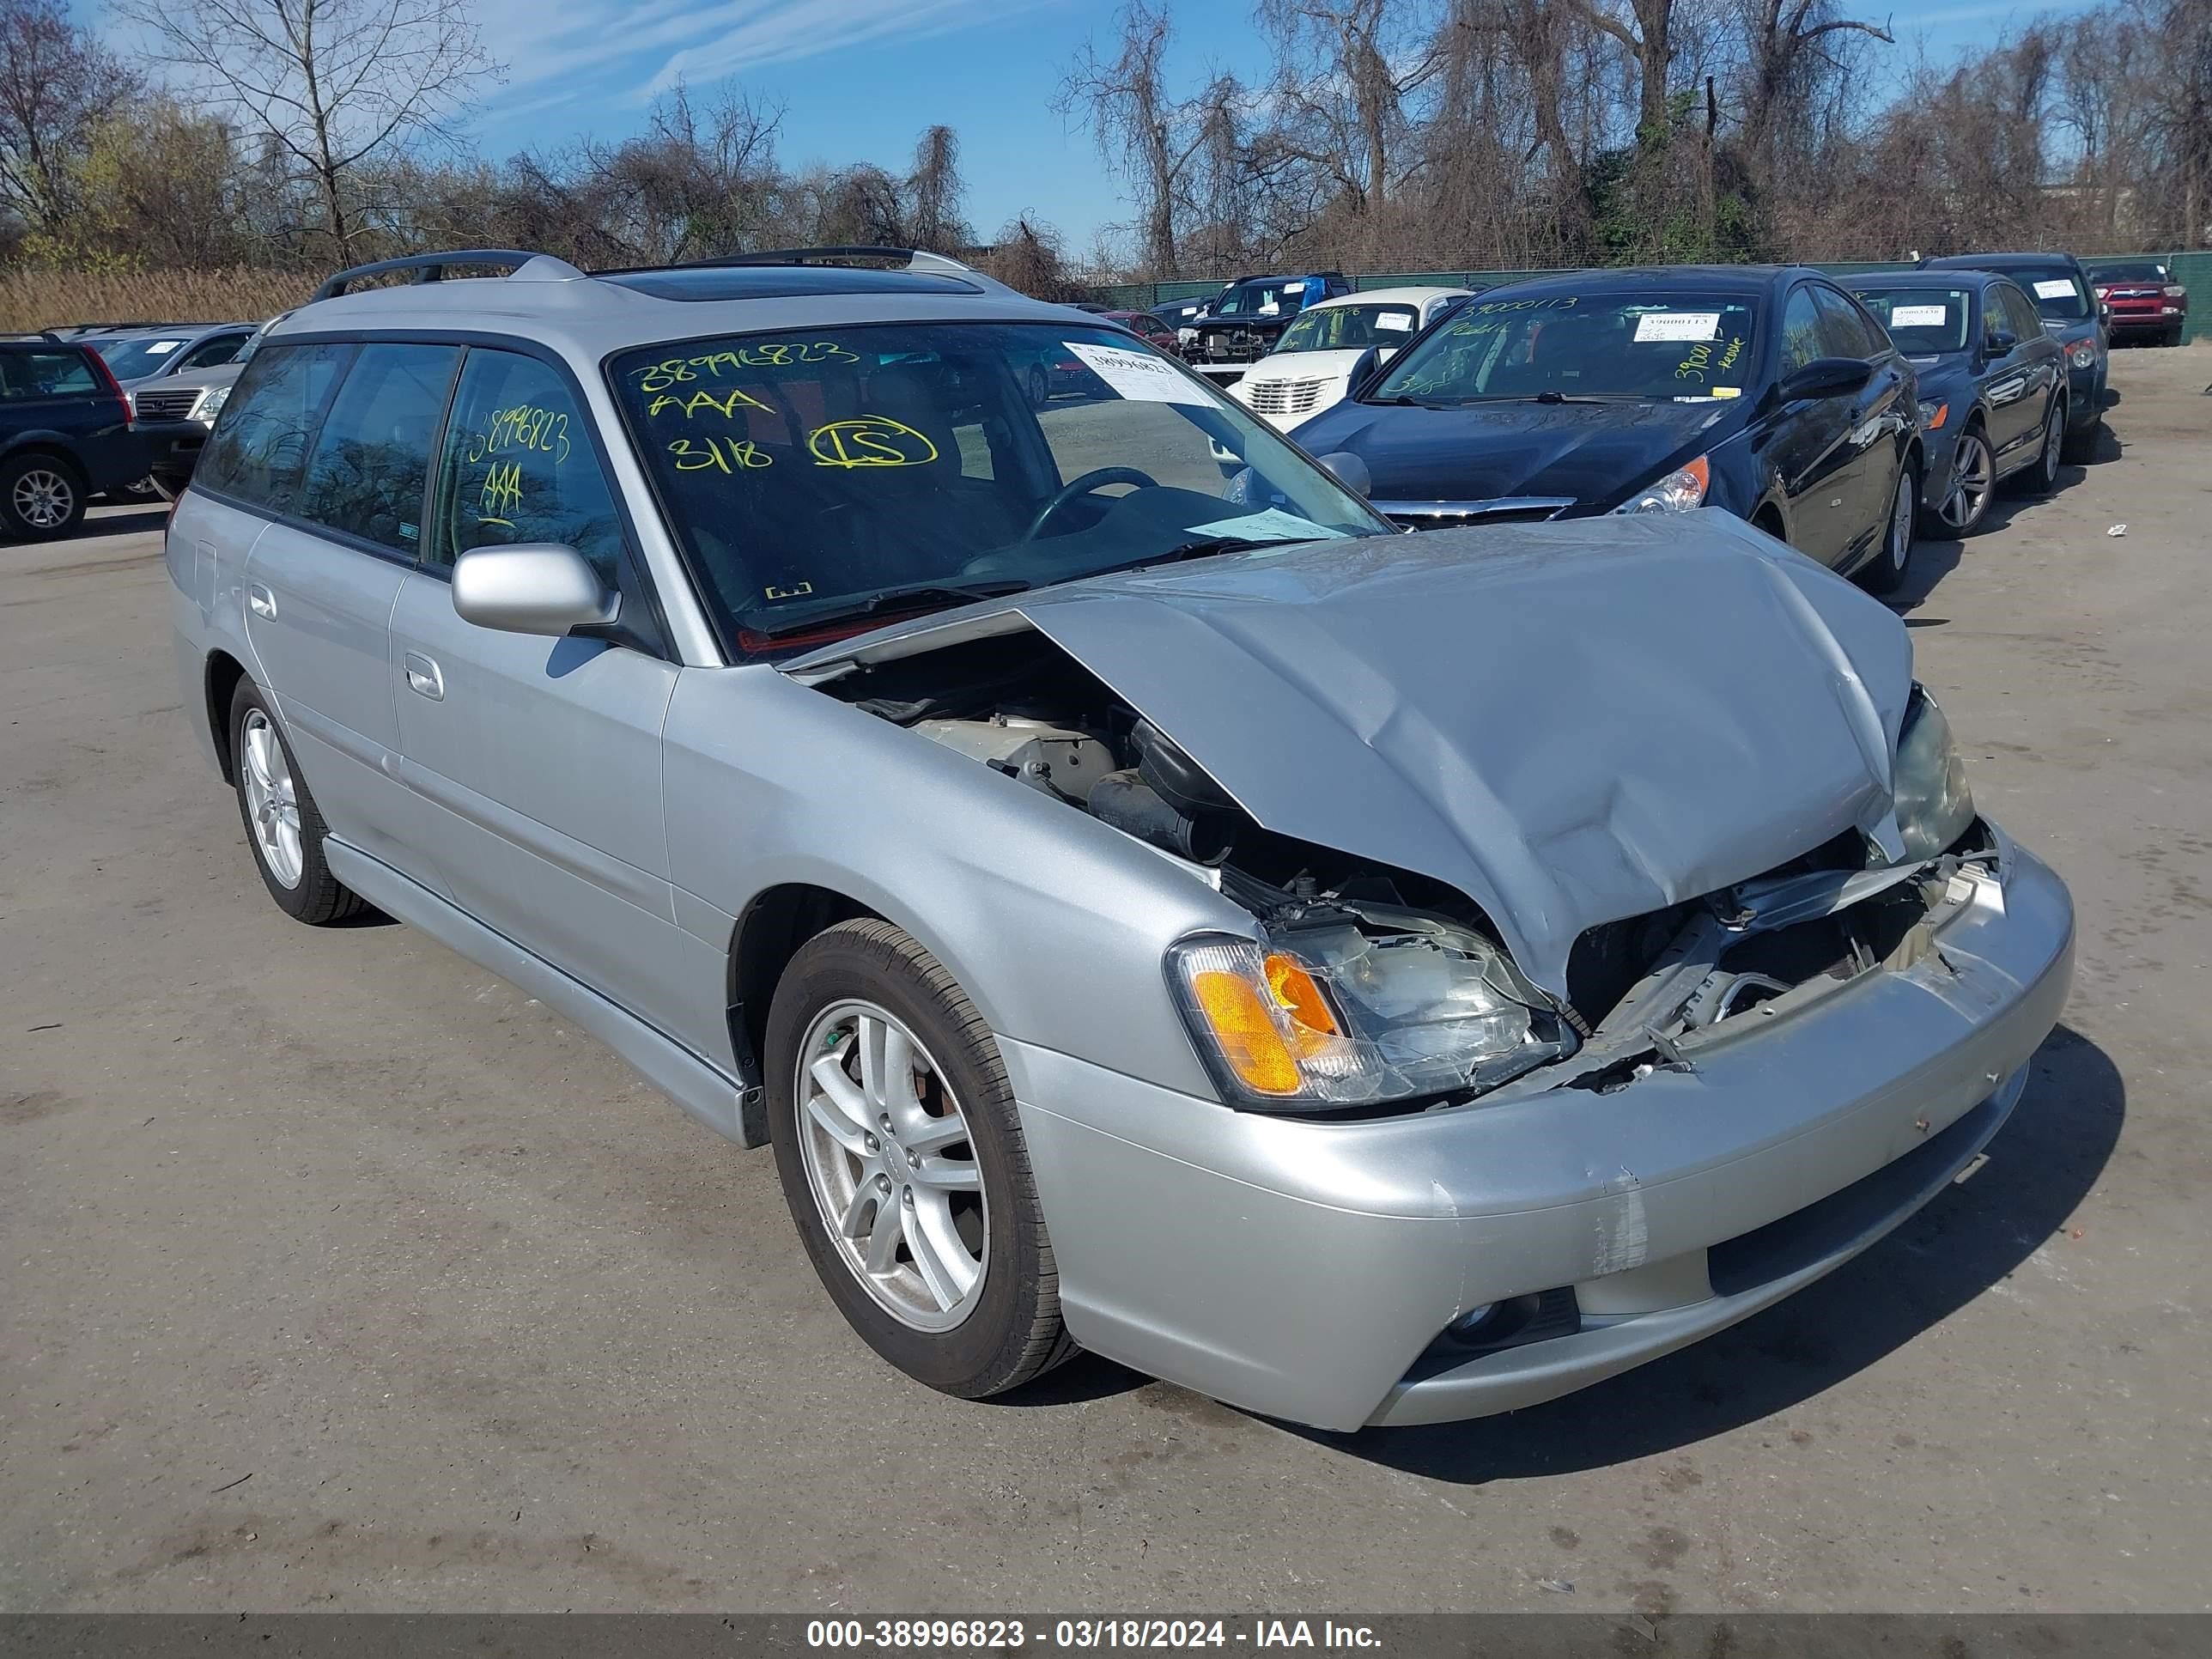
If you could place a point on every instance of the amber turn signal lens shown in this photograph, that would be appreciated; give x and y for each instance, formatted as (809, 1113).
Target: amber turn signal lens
(1241, 1025)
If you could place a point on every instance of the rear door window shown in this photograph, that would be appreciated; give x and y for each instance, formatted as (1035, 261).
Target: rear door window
(372, 457)
(259, 446)
(519, 465)
(45, 374)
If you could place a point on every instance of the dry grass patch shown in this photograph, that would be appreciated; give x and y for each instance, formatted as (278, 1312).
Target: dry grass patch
(49, 296)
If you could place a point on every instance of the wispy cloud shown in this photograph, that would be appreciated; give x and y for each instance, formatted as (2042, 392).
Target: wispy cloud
(598, 48)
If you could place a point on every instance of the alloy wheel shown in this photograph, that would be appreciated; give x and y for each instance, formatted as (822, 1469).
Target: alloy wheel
(1972, 472)
(272, 802)
(43, 498)
(888, 1159)
(1900, 521)
(2054, 443)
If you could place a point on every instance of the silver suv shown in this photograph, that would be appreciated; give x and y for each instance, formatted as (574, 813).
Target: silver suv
(1148, 904)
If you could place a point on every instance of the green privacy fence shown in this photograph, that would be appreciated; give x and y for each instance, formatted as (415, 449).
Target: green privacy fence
(2192, 270)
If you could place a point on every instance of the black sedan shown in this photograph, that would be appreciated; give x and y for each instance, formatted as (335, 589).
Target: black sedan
(2073, 316)
(1766, 391)
(1992, 384)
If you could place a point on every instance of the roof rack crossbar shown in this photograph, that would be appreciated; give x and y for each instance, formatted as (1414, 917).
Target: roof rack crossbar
(432, 267)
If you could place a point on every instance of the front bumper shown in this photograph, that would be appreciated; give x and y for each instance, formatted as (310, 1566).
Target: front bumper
(1304, 1269)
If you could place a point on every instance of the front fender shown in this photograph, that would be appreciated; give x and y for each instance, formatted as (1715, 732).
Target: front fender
(1054, 924)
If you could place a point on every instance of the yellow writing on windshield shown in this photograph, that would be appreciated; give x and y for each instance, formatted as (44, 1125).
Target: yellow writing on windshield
(872, 440)
(726, 405)
(724, 455)
(766, 353)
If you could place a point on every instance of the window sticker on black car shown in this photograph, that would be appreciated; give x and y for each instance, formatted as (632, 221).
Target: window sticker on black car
(1677, 325)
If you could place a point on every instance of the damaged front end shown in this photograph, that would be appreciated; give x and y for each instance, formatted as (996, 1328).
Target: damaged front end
(1374, 990)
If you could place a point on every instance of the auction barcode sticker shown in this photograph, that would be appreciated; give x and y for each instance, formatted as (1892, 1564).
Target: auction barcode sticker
(1139, 375)
(1918, 316)
(2058, 288)
(1677, 325)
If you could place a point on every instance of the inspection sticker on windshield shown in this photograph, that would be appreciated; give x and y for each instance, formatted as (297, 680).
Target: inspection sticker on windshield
(1677, 325)
(163, 348)
(1140, 376)
(1397, 322)
(2058, 288)
(1917, 316)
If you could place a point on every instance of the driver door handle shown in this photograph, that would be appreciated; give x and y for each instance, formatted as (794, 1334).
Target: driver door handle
(423, 678)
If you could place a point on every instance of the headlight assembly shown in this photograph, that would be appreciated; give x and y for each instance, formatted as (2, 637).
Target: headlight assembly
(1929, 785)
(210, 404)
(1678, 492)
(2083, 354)
(1932, 417)
(1363, 1006)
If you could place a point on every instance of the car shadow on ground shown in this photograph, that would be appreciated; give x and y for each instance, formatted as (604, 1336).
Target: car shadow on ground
(1975, 1235)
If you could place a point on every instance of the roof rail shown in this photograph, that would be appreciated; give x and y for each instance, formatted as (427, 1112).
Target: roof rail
(904, 258)
(432, 267)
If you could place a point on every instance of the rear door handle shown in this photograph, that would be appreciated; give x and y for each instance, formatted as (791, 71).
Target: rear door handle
(260, 600)
(423, 678)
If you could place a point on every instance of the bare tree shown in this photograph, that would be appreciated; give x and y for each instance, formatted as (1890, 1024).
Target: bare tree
(57, 87)
(1338, 84)
(1141, 131)
(332, 84)
(934, 191)
(1794, 53)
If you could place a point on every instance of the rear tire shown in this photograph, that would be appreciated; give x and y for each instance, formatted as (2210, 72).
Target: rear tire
(2040, 476)
(41, 497)
(1040, 386)
(965, 1297)
(283, 825)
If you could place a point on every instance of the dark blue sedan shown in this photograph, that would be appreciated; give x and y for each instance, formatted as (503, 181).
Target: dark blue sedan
(2072, 315)
(1766, 390)
(1993, 384)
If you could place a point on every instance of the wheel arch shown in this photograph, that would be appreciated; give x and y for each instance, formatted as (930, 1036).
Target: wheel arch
(52, 446)
(220, 684)
(768, 935)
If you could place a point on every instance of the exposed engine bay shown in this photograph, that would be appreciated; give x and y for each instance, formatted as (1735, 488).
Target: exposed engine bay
(1644, 992)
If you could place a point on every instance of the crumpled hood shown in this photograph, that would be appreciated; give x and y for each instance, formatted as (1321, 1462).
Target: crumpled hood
(1570, 723)
(1593, 453)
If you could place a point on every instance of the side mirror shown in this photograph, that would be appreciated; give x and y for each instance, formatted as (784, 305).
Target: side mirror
(1348, 469)
(1827, 377)
(1363, 370)
(537, 587)
(2000, 340)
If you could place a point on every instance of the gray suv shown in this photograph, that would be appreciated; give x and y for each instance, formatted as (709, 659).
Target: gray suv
(1148, 904)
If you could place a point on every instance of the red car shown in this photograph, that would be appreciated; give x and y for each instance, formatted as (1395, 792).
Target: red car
(2142, 299)
(1150, 328)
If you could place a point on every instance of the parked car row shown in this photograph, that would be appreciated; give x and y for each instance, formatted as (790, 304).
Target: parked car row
(1842, 415)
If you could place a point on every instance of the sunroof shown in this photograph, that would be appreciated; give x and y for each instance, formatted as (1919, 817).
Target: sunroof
(782, 281)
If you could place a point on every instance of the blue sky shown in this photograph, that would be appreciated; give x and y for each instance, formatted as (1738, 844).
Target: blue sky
(859, 79)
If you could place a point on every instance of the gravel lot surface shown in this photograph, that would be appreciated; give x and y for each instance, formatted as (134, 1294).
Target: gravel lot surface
(335, 1273)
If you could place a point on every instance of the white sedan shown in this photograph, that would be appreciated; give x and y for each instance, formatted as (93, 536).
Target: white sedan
(1311, 365)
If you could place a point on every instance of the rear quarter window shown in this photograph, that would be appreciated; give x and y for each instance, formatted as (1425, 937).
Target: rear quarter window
(259, 449)
(26, 374)
(372, 457)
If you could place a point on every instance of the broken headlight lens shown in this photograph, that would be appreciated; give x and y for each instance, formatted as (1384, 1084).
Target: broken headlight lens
(1929, 783)
(1373, 1006)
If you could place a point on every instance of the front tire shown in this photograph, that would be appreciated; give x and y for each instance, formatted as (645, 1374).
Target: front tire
(1974, 481)
(1040, 386)
(283, 825)
(1887, 572)
(904, 1166)
(41, 498)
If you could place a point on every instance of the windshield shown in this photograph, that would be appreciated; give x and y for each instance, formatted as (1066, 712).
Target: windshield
(1561, 346)
(1274, 297)
(1923, 321)
(129, 360)
(1338, 328)
(2130, 270)
(828, 476)
(2059, 296)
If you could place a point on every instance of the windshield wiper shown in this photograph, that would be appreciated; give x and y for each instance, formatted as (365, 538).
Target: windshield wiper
(916, 595)
(1402, 401)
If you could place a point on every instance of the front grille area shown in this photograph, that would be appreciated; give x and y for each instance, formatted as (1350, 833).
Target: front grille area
(165, 403)
(1285, 397)
(1240, 345)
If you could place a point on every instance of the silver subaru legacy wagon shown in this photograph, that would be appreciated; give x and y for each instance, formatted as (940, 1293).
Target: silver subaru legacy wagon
(1148, 904)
